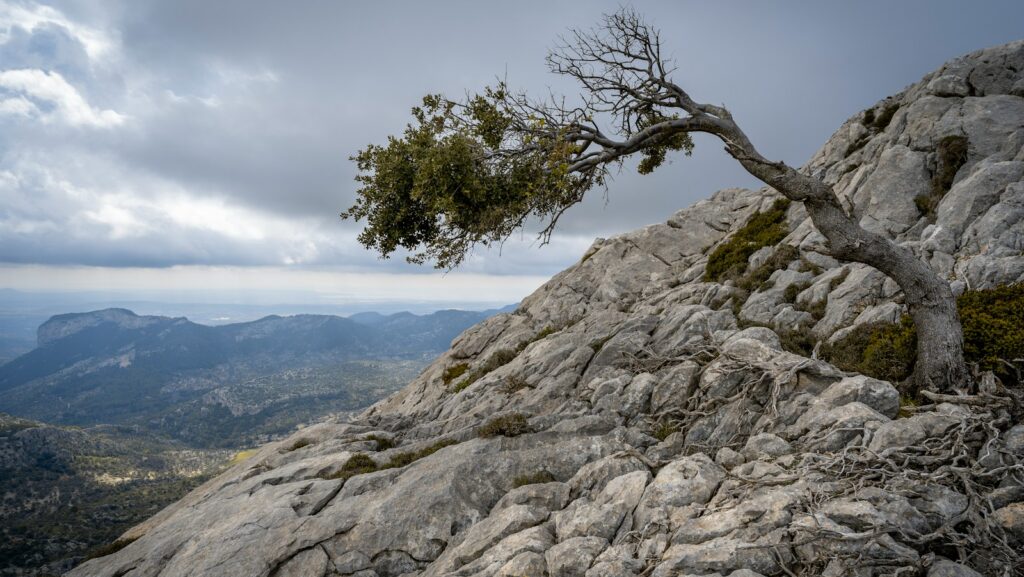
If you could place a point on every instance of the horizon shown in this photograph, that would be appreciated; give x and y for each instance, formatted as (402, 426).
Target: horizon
(222, 169)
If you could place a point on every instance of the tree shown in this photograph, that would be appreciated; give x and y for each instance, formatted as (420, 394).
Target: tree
(473, 171)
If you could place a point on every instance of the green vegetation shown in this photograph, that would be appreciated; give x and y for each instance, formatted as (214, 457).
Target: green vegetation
(729, 259)
(453, 372)
(383, 443)
(300, 444)
(511, 425)
(664, 430)
(542, 476)
(881, 121)
(514, 384)
(242, 456)
(907, 405)
(791, 292)
(950, 156)
(993, 323)
(758, 278)
(498, 359)
(881, 350)
(599, 344)
(361, 463)
(110, 549)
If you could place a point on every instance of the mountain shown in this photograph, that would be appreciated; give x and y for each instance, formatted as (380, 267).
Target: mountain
(636, 417)
(69, 491)
(227, 385)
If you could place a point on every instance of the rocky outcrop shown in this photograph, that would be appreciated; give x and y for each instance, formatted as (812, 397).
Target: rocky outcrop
(647, 429)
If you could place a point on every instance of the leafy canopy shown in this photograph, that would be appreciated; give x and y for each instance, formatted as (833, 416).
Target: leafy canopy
(474, 171)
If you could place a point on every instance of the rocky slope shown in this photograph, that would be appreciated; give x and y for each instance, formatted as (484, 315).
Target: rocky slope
(642, 431)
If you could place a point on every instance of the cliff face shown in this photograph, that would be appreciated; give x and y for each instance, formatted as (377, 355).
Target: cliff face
(642, 431)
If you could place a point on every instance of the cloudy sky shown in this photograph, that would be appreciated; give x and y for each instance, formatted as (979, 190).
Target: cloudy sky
(203, 145)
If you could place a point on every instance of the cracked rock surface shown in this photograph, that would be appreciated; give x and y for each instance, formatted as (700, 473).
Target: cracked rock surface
(662, 437)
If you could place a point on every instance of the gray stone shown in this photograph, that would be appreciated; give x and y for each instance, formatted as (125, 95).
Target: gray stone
(572, 558)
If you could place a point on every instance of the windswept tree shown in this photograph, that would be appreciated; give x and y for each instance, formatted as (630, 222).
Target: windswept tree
(474, 170)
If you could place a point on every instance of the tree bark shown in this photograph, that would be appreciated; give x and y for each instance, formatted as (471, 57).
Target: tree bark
(940, 364)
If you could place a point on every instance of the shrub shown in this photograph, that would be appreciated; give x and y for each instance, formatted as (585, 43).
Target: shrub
(542, 476)
(950, 156)
(881, 121)
(993, 322)
(993, 325)
(383, 443)
(729, 259)
(361, 463)
(110, 548)
(779, 259)
(514, 384)
(453, 372)
(511, 425)
(800, 342)
(499, 359)
(880, 350)
(793, 290)
(300, 444)
(597, 345)
(664, 430)
(403, 459)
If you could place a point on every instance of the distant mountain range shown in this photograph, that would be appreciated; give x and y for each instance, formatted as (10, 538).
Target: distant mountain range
(224, 386)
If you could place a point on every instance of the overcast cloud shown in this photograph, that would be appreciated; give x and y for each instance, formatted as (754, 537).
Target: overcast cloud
(179, 133)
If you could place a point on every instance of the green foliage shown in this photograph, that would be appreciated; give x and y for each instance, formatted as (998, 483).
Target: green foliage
(729, 259)
(664, 430)
(654, 156)
(461, 175)
(511, 425)
(598, 344)
(879, 122)
(950, 156)
(383, 443)
(907, 405)
(403, 459)
(544, 333)
(542, 476)
(110, 549)
(514, 384)
(453, 372)
(993, 326)
(300, 444)
(757, 278)
(498, 359)
(361, 463)
(880, 350)
(800, 342)
(791, 292)
(993, 323)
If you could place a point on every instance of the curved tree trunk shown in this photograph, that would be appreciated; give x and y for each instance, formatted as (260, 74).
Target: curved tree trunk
(940, 362)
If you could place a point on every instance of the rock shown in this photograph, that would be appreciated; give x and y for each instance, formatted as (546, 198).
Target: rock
(765, 445)
(641, 339)
(728, 458)
(602, 516)
(948, 85)
(572, 558)
(690, 480)
(1011, 519)
(946, 568)
(912, 431)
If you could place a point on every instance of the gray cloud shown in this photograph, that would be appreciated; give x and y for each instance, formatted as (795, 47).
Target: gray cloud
(217, 133)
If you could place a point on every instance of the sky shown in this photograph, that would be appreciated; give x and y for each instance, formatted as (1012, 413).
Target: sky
(190, 145)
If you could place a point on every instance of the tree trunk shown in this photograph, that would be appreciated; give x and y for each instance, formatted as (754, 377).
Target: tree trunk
(940, 362)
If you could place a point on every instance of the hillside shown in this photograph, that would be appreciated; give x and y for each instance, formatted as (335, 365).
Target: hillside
(226, 386)
(69, 491)
(643, 414)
